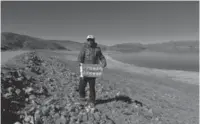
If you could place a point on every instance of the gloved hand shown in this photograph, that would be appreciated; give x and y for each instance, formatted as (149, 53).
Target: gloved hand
(102, 66)
(81, 70)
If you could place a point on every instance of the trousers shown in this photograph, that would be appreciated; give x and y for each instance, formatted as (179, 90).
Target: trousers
(83, 83)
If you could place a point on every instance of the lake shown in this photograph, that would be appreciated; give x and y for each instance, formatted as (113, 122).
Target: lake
(175, 61)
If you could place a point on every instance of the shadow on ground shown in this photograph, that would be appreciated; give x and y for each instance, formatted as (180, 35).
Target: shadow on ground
(117, 98)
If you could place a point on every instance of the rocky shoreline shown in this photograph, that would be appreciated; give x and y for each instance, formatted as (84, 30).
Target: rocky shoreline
(42, 89)
(35, 93)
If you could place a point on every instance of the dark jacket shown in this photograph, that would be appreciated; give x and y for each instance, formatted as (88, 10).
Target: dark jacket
(91, 55)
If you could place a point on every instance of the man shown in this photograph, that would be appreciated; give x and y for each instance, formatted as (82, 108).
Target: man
(90, 54)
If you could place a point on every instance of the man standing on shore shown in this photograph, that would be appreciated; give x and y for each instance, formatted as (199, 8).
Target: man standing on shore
(90, 54)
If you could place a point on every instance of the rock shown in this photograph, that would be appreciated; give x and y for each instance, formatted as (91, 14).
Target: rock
(63, 120)
(80, 118)
(20, 78)
(43, 90)
(91, 117)
(7, 95)
(72, 114)
(17, 123)
(31, 109)
(58, 121)
(159, 122)
(109, 122)
(10, 89)
(73, 120)
(57, 107)
(150, 112)
(73, 74)
(102, 122)
(26, 58)
(45, 110)
(90, 122)
(49, 101)
(85, 118)
(52, 112)
(27, 68)
(97, 116)
(147, 114)
(156, 119)
(31, 97)
(57, 116)
(37, 118)
(93, 110)
(72, 109)
(52, 106)
(64, 113)
(17, 91)
(27, 118)
(8, 76)
(28, 90)
(21, 116)
(10, 81)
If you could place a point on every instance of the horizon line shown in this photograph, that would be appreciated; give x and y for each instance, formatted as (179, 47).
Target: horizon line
(143, 43)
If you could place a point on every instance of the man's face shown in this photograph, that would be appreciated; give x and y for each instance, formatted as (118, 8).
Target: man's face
(91, 41)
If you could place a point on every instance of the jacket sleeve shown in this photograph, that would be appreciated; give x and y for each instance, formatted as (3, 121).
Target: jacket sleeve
(102, 58)
(81, 55)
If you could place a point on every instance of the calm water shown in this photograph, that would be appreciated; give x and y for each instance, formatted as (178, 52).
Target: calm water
(187, 61)
(7, 55)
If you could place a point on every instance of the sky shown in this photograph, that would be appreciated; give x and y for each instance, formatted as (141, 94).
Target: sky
(111, 22)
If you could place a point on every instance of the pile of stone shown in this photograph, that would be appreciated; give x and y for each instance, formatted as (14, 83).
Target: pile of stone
(20, 87)
(45, 91)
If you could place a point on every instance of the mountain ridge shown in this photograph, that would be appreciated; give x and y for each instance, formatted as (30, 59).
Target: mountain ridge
(14, 41)
(171, 46)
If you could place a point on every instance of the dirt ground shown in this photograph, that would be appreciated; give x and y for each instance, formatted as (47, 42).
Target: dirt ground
(123, 97)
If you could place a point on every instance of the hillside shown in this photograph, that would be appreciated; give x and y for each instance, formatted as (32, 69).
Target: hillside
(73, 45)
(13, 41)
(41, 87)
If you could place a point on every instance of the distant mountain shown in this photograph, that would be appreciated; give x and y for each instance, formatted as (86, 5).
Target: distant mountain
(73, 45)
(175, 46)
(13, 41)
(171, 47)
(127, 47)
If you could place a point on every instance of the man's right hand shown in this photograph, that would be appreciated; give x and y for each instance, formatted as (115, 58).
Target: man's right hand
(81, 70)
